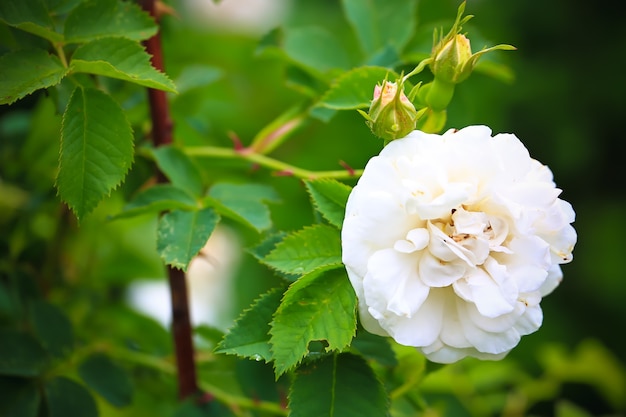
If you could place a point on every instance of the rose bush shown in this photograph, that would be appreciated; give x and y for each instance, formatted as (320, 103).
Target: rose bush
(451, 241)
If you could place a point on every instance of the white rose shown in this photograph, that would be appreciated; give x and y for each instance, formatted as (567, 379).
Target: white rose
(450, 242)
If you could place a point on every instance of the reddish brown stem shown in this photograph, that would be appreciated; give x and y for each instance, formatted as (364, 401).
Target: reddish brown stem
(181, 322)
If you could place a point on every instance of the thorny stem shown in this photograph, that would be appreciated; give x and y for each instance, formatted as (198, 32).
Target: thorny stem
(181, 322)
(280, 168)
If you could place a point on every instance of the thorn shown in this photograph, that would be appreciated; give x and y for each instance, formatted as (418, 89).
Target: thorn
(236, 142)
(347, 167)
(205, 398)
(162, 9)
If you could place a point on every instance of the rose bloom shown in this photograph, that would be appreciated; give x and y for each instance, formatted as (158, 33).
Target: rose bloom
(450, 242)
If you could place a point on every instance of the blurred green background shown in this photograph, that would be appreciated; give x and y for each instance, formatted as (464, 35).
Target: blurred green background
(566, 103)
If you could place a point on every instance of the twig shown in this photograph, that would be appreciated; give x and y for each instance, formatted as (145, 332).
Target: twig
(181, 322)
(280, 168)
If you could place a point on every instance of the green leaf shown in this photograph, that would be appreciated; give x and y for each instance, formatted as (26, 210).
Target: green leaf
(179, 169)
(319, 306)
(120, 58)
(305, 83)
(329, 197)
(315, 48)
(355, 88)
(23, 72)
(95, 19)
(158, 198)
(21, 354)
(96, 149)
(307, 249)
(30, 16)
(68, 398)
(52, 328)
(410, 371)
(181, 235)
(249, 337)
(500, 72)
(18, 397)
(107, 379)
(209, 334)
(195, 76)
(374, 347)
(323, 114)
(243, 203)
(340, 385)
(263, 248)
(378, 23)
(387, 57)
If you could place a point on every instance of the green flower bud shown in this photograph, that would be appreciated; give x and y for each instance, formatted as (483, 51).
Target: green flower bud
(453, 61)
(452, 58)
(391, 114)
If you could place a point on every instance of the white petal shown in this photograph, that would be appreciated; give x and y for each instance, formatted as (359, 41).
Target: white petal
(554, 278)
(419, 237)
(445, 354)
(494, 324)
(530, 321)
(416, 240)
(423, 328)
(453, 195)
(392, 283)
(488, 342)
(480, 289)
(529, 262)
(437, 273)
(445, 248)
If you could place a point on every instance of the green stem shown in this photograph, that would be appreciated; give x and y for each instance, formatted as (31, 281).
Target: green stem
(439, 95)
(280, 167)
(58, 47)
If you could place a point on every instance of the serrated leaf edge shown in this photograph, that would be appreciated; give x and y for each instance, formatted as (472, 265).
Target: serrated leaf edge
(315, 202)
(125, 173)
(284, 304)
(220, 349)
(294, 233)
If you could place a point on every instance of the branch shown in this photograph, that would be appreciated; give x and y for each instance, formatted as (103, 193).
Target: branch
(181, 322)
(280, 168)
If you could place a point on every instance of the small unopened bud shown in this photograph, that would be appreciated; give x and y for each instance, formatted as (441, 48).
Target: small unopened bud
(452, 62)
(452, 58)
(391, 114)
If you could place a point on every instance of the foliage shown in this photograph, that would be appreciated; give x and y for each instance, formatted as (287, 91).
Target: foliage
(82, 220)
